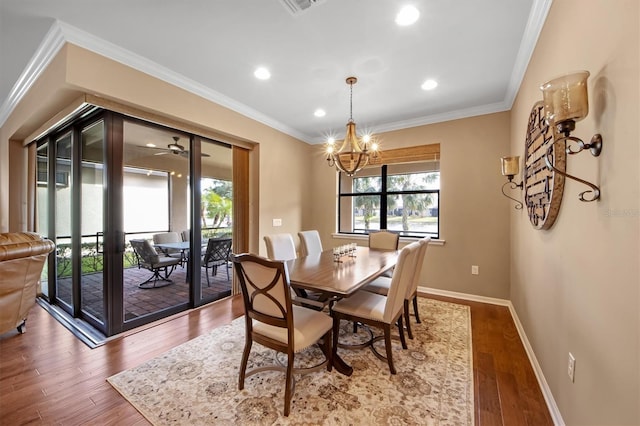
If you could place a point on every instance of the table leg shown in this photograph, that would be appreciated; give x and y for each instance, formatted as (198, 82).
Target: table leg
(341, 366)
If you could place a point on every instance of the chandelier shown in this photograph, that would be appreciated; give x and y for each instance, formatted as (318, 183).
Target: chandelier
(353, 154)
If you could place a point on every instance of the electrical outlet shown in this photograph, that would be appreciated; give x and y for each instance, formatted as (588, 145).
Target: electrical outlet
(571, 369)
(277, 222)
(475, 270)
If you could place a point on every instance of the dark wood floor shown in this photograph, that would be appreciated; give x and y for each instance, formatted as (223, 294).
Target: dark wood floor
(47, 376)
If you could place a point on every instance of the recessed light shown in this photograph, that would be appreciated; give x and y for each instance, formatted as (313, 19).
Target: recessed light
(319, 113)
(429, 85)
(151, 145)
(408, 15)
(262, 73)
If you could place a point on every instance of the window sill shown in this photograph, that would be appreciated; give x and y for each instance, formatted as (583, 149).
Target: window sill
(363, 237)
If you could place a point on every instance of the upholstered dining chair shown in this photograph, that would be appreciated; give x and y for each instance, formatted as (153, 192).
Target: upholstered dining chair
(217, 254)
(310, 242)
(280, 247)
(272, 321)
(169, 237)
(384, 240)
(160, 266)
(381, 286)
(378, 310)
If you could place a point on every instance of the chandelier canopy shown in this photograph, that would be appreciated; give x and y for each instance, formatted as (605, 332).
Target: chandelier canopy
(354, 153)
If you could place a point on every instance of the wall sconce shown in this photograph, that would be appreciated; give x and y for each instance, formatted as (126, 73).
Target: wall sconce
(510, 168)
(565, 102)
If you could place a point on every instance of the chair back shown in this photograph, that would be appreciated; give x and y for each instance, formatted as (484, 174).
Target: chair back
(401, 280)
(145, 253)
(310, 243)
(384, 240)
(186, 235)
(422, 251)
(167, 237)
(280, 247)
(265, 290)
(218, 251)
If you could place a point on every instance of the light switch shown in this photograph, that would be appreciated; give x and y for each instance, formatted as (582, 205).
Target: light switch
(277, 222)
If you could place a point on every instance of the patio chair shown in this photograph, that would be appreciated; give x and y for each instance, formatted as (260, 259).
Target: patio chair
(170, 237)
(148, 258)
(217, 254)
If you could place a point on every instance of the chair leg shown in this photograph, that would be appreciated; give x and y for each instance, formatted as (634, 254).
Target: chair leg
(288, 385)
(243, 363)
(401, 331)
(387, 345)
(415, 308)
(406, 319)
(206, 272)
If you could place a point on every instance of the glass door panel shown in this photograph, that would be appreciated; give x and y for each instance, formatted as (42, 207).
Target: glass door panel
(155, 200)
(216, 208)
(42, 205)
(91, 217)
(63, 223)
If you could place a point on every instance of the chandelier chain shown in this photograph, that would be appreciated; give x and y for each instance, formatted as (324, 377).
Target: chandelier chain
(351, 101)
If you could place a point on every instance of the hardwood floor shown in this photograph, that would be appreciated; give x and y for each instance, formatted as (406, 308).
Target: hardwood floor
(47, 376)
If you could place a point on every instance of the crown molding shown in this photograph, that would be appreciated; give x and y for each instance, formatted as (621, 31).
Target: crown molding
(434, 118)
(537, 18)
(47, 50)
(61, 33)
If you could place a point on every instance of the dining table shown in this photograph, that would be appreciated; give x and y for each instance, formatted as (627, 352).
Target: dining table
(339, 277)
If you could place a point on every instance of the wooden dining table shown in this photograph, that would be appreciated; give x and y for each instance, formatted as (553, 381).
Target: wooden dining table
(339, 279)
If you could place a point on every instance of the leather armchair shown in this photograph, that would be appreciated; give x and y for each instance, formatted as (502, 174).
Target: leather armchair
(22, 257)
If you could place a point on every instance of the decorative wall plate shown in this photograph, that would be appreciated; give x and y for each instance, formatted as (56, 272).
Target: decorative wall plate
(543, 187)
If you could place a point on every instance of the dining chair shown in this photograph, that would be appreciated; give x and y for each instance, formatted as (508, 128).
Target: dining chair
(186, 235)
(280, 247)
(378, 310)
(216, 254)
(384, 240)
(310, 243)
(169, 237)
(273, 321)
(148, 258)
(381, 286)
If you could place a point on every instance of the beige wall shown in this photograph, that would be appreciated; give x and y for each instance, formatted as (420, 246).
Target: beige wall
(474, 215)
(575, 286)
(282, 162)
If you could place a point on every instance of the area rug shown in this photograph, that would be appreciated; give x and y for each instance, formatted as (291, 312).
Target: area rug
(196, 383)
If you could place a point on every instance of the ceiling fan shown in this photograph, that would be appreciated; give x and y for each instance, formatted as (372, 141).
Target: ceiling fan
(176, 149)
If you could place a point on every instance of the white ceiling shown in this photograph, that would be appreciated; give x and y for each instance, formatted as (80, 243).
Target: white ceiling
(476, 50)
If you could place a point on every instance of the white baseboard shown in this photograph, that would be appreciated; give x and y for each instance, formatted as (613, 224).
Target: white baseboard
(542, 382)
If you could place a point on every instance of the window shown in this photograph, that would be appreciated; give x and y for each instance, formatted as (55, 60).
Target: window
(400, 197)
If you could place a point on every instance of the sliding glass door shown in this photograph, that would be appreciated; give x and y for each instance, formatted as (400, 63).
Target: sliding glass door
(117, 196)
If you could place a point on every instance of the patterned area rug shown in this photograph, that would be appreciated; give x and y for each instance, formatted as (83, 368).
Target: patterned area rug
(196, 383)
